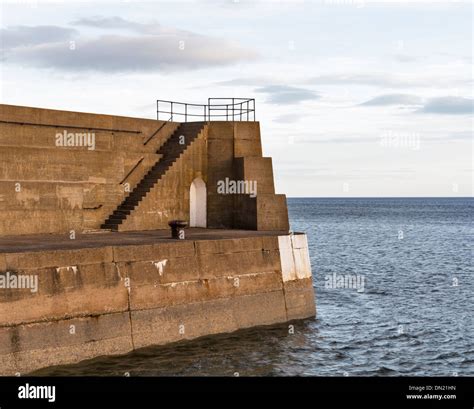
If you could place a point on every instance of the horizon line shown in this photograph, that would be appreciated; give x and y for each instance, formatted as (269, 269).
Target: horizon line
(380, 197)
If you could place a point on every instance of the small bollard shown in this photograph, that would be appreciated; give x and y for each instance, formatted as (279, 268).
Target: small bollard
(177, 228)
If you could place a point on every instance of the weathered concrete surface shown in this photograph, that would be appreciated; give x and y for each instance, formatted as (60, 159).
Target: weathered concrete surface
(49, 189)
(39, 242)
(113, 298)
(86, 295)
(45, 188)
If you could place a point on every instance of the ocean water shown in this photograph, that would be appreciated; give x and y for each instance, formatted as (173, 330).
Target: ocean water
(409, 310)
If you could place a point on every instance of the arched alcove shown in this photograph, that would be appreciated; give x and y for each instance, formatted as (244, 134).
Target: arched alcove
(197, 204)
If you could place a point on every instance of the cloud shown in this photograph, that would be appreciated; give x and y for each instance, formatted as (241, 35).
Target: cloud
(335, 139)
(20, 36)
(244, 81)
(448, 105)
(380, 79)
(288, 118)
(284, 94)
(107, 23)
(166, 49)
(356, 174)
(442, 105)
(394, 99)
(449, 136)
(406, 58)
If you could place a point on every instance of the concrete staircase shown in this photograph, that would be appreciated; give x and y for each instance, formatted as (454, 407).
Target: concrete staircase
(171, 151)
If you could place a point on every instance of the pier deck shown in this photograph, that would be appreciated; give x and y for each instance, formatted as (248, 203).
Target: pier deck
(44, 242)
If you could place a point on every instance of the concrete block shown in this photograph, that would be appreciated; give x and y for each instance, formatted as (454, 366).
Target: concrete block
(287, 261)
(180, 322)
(299, 297)
(188, 321)
(272, 212)
(261, 309)
(154, 295)
(64, 293)
(247, 148)
(154, 252)
(295, 263)
(24, 348)
(247, 131)
(220, 130)
(256, 169)
(161, 270)
(58, 258)
(228, 245)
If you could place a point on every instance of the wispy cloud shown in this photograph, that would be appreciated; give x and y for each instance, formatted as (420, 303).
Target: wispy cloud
(394, 99)
(448, 105)
(334, 140)
(385, 80)
(119, 23)
(249, 81)
(150, 47)
(288, 118)
(21, 36)
(284, 94)
(404, 58)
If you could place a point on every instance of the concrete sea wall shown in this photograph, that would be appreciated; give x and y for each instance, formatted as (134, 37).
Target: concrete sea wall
(113, 299)
(46, 188)
(62, 303)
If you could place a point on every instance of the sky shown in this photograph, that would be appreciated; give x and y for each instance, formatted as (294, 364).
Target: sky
(355, 98)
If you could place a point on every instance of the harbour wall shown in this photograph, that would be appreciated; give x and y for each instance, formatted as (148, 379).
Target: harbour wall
(114, 299)
(46, 187)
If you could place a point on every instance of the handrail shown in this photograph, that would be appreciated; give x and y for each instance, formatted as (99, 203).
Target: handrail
(87, 128)
(250, 107)
(242, 109)
(129, 173)
(158, 130)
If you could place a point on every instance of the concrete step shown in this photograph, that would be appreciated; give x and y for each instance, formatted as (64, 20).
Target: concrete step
(171, 150)
(109, 226)
(117, 217)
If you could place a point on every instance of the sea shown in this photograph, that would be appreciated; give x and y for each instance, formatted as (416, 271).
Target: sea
(394, 286)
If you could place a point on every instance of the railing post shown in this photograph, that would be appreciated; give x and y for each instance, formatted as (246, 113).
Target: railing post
(185, 112)
(171, 109)
(232, 109)
(241, 111)
(157, 110)
(247, 110)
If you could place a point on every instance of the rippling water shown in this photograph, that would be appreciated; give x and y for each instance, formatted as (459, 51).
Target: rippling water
(414, 317)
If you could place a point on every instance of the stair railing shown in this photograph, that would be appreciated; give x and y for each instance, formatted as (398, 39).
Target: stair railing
(158, 130)
(131, 171)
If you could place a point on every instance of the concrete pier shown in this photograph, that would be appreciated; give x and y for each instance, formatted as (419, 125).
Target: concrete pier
(87, 263)
(111, 293)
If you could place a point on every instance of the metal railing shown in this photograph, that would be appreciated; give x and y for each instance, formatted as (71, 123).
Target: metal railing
(158, 130)
(131, 171)
(232, 109)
